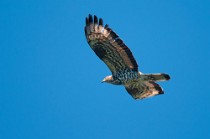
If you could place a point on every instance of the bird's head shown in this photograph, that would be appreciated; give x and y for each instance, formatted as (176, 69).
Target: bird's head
(107, 79)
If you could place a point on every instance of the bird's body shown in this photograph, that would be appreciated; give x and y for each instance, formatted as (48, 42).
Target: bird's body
(117, 56)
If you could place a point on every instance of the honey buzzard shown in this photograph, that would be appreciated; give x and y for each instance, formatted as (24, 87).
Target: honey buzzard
(117, 56)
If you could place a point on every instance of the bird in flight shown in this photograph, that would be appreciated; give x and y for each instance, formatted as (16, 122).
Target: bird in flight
(108, 46)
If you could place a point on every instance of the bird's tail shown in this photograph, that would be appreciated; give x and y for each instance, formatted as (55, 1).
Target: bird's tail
(154, 77)
(146, 86)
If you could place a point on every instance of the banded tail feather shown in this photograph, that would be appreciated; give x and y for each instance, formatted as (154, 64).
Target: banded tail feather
(156, 77)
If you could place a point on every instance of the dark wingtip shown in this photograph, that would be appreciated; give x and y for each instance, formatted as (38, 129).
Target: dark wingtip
(95, 19)
(87, 21)
(106, 26)
(100, 22)
(160, 90)
(90, 19)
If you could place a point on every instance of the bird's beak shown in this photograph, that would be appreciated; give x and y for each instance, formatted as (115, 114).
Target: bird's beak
(103, 81)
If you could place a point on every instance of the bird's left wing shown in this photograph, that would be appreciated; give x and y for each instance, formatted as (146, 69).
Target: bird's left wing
(109, 47)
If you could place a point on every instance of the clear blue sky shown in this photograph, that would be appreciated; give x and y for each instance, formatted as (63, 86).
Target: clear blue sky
(50, 78)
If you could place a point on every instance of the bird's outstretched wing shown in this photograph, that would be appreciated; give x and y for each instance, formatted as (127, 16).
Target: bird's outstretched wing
(109, 47)
(144, 89)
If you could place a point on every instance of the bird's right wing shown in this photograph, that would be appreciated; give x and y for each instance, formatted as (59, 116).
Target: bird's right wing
(143, 89)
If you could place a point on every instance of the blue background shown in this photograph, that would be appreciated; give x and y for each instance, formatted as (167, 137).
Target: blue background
(50, 78)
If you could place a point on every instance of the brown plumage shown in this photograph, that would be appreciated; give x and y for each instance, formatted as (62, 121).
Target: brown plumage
(117, 56)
